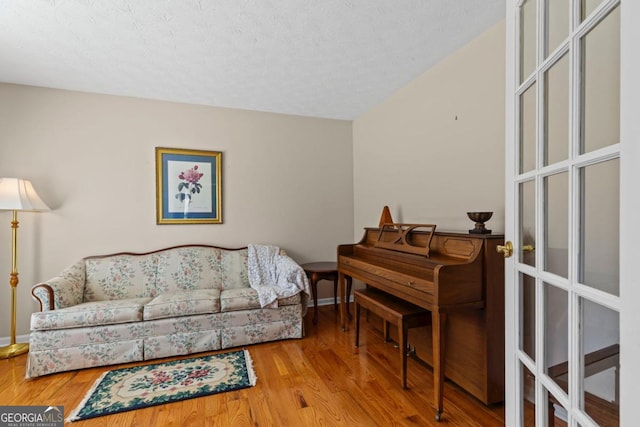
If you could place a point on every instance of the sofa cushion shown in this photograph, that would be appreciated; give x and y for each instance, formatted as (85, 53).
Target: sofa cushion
(239, 299)
(183, 303)
(233, 267)
(292, 300)
(188, 268)
(247, 298)
(116, 277)
(90, 314)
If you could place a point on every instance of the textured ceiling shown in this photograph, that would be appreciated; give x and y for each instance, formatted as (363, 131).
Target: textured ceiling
(322, 58)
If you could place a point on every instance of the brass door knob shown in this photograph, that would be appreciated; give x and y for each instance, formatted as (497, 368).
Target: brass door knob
(528, 248)
(506, 250)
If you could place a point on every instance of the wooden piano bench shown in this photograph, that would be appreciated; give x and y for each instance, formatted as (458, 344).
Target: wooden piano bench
(393, 310)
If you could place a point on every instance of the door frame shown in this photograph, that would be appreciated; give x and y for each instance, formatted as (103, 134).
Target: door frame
(510, 343)
(630, 206)
(629, 223)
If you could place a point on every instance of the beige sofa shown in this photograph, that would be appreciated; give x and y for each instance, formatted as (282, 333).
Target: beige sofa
(128, 307)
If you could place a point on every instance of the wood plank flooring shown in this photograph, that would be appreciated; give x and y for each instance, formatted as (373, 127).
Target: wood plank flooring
(318, 380)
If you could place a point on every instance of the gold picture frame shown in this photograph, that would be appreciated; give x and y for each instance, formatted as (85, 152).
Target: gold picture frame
(188, 186)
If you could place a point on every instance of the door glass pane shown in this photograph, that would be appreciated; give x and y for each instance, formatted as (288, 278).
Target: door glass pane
(556, 112)
(528, 129)
(527, 222)
(527, 315)
(600, 226)
(600, 372)
(527, 38)
(528, 393)
(556, 231)
(556, 303)
(600, 53)
(557, 23)
(588, 6)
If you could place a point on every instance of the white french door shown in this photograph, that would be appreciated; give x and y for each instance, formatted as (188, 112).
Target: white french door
(563, 212)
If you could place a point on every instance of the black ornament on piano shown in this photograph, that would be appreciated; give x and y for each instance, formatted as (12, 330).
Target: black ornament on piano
(479, 218)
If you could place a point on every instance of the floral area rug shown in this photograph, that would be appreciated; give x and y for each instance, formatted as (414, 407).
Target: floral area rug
(142, 386)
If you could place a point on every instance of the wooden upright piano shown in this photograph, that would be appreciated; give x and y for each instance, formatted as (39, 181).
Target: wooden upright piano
(459, 277)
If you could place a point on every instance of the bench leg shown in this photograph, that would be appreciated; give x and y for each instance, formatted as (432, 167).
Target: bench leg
(402, 338)
(349, 280)
(385, 330)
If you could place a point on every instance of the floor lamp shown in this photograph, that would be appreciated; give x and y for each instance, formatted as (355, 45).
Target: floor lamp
(16, 195)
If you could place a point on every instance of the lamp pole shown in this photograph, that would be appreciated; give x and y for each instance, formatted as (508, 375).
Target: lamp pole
(17, 195)
(14, 349)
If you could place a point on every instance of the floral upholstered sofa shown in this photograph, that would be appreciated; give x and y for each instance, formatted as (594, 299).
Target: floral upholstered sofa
(128, 307)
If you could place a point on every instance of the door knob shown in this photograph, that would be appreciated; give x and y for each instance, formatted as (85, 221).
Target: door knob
(528, 248)
(506, 250)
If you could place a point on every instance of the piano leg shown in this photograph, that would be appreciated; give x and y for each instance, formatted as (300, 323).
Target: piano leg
(438, 336)
(344, 298)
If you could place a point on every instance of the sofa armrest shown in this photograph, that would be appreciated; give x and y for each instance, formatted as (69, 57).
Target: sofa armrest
(43, 294)
(62, 291)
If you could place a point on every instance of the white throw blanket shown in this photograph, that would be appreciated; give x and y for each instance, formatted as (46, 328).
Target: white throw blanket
(275, 276)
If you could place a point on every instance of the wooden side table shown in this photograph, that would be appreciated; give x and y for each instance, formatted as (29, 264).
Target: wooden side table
(326, 270)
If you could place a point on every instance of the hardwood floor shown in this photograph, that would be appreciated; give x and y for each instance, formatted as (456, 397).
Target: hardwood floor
(318, 380)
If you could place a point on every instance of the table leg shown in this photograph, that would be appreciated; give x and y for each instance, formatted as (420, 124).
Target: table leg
(341, 280)
(314, 290)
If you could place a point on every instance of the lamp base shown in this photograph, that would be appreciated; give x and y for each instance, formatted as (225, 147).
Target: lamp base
(14, 350)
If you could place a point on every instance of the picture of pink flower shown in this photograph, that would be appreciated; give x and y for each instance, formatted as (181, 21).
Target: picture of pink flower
(189, 184)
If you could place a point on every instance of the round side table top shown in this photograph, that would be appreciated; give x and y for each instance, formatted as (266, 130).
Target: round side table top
(320, 267)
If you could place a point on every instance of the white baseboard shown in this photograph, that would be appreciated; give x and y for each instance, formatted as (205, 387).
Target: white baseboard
(326, 301)
(7, 340)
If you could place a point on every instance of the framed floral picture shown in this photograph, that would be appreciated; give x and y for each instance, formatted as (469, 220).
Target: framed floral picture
(188, 186)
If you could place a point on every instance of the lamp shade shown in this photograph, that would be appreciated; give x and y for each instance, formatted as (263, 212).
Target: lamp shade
(19, 195)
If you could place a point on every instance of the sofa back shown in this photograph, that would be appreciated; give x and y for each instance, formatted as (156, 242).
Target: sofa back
(129, 275)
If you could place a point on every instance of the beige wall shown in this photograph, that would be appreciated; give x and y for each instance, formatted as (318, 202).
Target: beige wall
(287, 180)
(432, 151)
(435, 149)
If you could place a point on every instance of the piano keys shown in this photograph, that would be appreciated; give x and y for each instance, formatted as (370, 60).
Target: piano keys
(459, 278)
